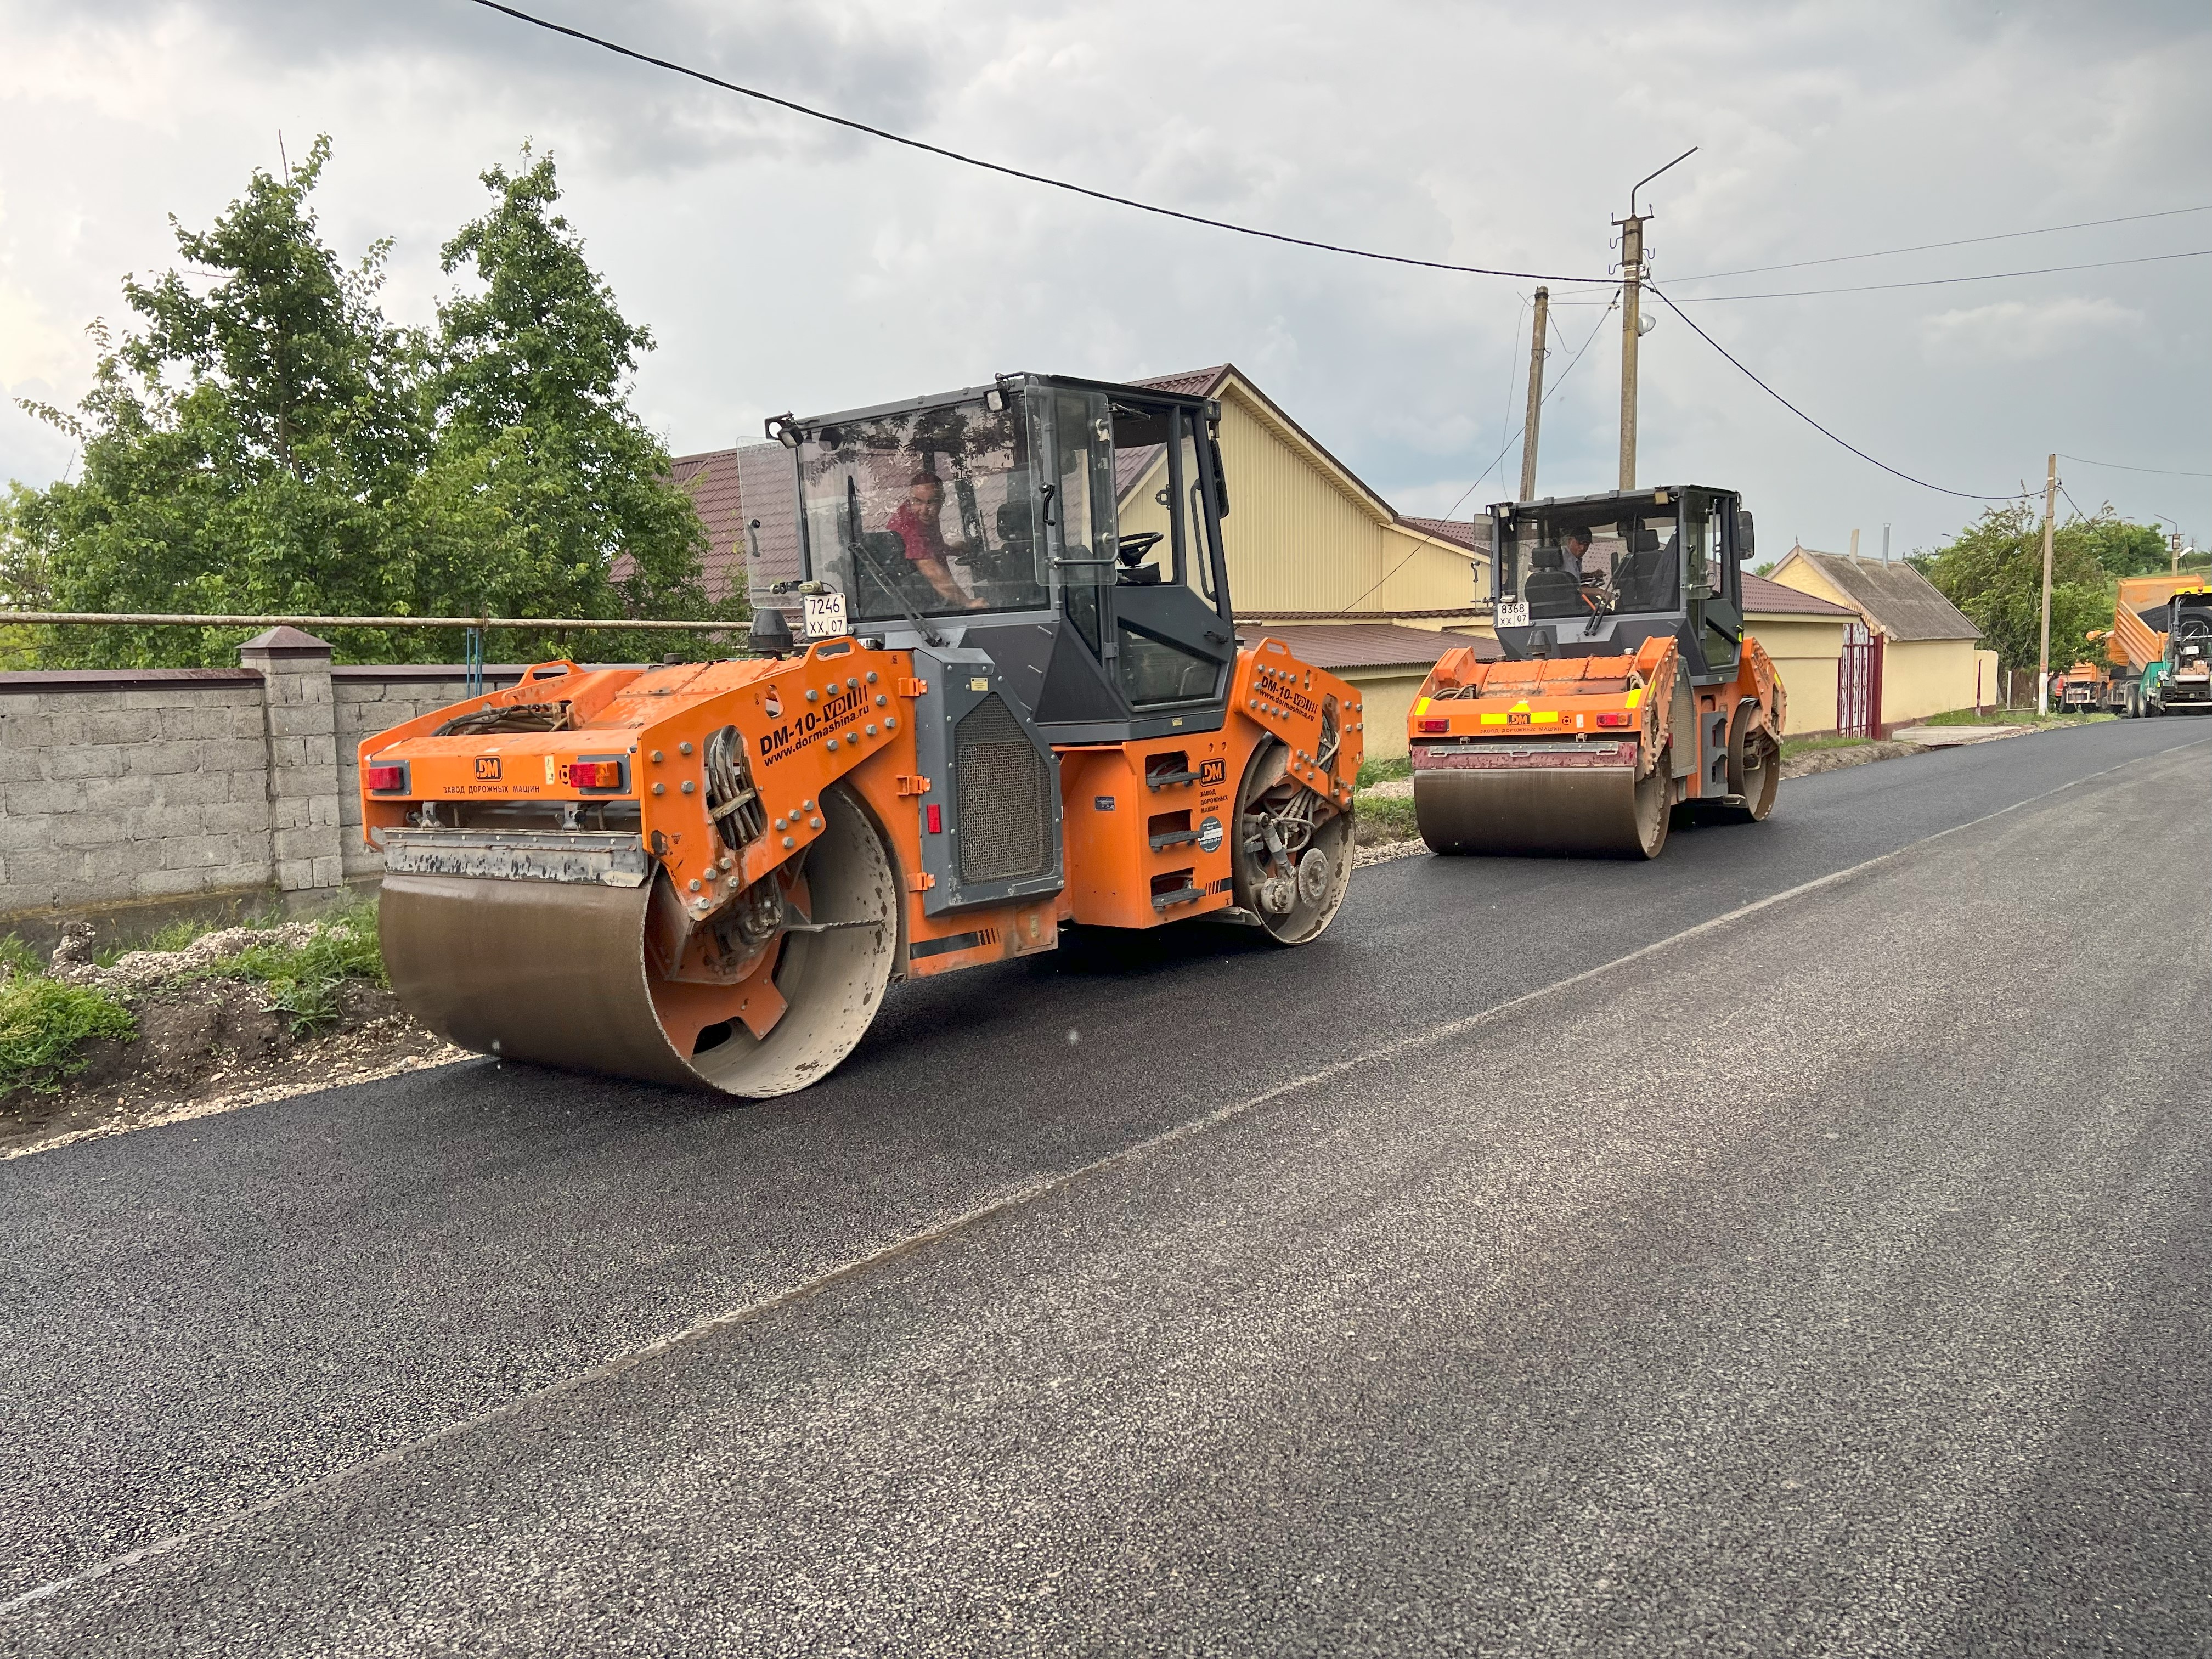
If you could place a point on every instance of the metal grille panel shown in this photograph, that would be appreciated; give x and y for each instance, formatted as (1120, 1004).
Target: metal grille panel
(1006, 812)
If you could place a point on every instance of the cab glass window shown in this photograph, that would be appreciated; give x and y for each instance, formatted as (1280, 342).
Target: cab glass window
(931, 512)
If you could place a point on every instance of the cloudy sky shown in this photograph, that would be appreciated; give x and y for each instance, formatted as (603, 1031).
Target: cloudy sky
(785, 264)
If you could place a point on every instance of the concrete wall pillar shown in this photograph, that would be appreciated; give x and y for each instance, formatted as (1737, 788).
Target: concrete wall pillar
(300, 729)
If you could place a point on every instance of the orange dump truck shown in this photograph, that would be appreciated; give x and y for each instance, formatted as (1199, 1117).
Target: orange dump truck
(2161, 639)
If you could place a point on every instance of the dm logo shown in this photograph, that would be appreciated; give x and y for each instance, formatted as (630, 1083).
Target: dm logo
(487, 765)
(1213, 771)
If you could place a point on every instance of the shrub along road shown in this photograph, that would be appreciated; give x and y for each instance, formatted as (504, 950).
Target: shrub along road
(1834, 1277)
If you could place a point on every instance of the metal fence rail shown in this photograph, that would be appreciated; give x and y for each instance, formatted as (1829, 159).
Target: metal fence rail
(165, 619)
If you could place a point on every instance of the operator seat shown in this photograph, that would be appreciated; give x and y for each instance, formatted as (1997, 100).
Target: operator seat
(1549, 591)
(1644, 580)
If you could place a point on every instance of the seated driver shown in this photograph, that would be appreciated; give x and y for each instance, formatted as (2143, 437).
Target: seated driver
(1577, 548)
(915, 524)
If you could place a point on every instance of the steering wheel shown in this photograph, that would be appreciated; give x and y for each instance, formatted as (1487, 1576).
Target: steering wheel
(1132, 549)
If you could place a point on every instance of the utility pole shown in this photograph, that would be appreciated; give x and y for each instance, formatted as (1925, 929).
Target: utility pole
(1528, 428)
(2050, 512)
(2175, 540)
(1632, 331)
(1631, 316)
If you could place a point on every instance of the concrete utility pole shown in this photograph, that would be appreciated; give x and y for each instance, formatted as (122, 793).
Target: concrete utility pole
(1631, 330)
(1528, 428)
(2175, 539)
(1631, 316)
(2043, 660)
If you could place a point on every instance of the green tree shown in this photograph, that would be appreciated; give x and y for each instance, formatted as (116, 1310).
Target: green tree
(266, 442)
(1993, 571)
(2123, 549)
(544, 494)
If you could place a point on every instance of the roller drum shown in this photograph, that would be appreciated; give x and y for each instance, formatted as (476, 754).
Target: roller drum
(1578, 811)
(557, 973)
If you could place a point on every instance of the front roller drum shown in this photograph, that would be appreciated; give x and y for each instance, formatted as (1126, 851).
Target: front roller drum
(1538, 810)
(559, 974)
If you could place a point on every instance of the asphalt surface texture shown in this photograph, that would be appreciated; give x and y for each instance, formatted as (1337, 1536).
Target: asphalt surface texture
(1762, 1250)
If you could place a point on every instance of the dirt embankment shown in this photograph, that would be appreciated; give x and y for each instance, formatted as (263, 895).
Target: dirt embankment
(1857, 754)
(208, 1044)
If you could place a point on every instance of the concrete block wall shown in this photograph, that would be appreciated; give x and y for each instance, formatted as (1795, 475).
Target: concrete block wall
(140, 785)
(372, 700)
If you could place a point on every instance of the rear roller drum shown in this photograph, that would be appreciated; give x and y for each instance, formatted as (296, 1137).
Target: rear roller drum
(1754, 772)
(1538, 811)
(1293, 849)
(576, 977)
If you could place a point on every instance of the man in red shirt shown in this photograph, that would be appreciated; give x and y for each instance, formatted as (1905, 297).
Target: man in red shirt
(915, 524)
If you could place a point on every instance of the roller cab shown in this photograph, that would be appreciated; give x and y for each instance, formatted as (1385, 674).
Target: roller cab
(1011, 712)
(1629, 689)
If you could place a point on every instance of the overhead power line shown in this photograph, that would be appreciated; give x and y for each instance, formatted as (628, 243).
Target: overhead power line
(673, 68)
(1446, 516)
(2122, 466)
(1946, 282)
(1941, 489)
(1963, 241)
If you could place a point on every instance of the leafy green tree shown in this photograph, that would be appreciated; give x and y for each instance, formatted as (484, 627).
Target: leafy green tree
(266, 442)
(1993, 571)
(2123, 549)
(544, 494)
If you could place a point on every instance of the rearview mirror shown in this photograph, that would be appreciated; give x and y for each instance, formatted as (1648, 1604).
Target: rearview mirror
(1745, 544)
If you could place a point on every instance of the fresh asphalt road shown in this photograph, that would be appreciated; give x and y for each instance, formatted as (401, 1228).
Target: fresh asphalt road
(1835, 1278)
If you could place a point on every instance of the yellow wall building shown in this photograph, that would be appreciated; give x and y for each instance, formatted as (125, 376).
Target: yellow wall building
(1931, 662)
(1804, 635)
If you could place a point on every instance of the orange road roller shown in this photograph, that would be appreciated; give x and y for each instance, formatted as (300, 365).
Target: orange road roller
(1019, 702)
(1629, 691)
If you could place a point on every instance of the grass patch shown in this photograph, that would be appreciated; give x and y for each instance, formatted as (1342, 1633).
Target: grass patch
(1384, 817)
(43, 1025)
(302, 980)
(1803, 746)
(2013, 717)
(20, 957)
(1382, 769)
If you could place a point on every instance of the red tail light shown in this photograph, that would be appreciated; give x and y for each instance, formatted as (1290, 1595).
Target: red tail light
(936, 814)
(595, 775)
(1616, 718)
(1435, 725)
(386, 777)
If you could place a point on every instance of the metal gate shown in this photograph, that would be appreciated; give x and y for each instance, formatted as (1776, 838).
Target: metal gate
(1858, 683)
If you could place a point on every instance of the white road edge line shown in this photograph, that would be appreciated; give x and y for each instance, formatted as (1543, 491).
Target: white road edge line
(692, 1335)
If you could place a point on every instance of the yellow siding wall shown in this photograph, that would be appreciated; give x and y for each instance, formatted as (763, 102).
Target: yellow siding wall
(1806, 652)
(1299, 540)
(1386, 699)
(1988, 683)
(1920, 677)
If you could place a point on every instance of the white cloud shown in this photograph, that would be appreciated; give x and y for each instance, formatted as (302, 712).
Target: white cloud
(783, 264)
(2021, 330)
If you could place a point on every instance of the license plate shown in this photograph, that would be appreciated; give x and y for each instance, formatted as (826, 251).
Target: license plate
(1512, 613)
(825, 616)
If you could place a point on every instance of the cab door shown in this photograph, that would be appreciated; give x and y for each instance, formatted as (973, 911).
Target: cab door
(1173, 636)
(1713, 579)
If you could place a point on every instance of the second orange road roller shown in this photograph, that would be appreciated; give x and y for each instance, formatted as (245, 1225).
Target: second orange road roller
(1629, 689)
(1038, 714)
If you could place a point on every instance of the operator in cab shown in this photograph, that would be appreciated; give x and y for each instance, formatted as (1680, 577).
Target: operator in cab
(915, 522)
(1576, 550)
